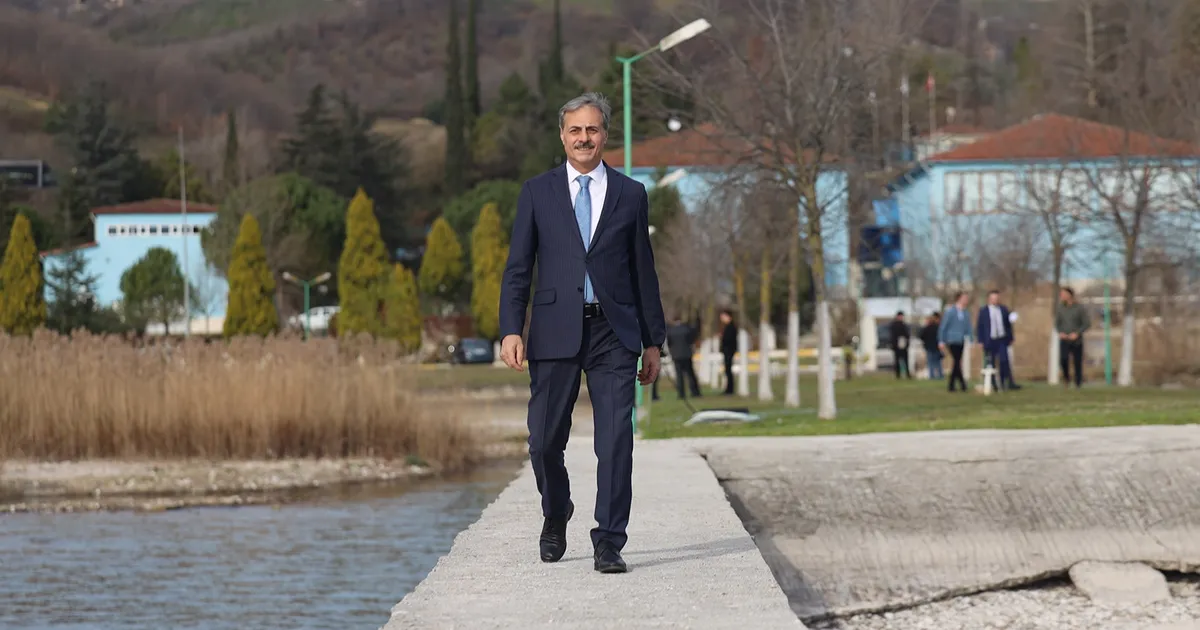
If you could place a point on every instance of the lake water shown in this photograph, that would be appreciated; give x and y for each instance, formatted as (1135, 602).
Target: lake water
(338, 559)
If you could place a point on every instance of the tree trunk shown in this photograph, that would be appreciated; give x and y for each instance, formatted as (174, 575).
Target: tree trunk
(826, 405)
(764, 328)
(1052, 360)
(743, 353)
(1128, 327)
(791, 397)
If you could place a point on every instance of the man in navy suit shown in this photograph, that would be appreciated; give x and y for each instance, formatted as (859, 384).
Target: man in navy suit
(996, 335)
(595, 310)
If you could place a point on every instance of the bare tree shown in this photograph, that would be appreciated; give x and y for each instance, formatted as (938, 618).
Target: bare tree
(784, 77)
(205, 293)
(1049, 200)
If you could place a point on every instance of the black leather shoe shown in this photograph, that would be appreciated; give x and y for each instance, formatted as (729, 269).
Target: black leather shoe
(553, 542)
(608, 560)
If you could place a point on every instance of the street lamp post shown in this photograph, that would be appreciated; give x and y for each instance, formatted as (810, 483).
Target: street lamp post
(674, 39)
(307, 286)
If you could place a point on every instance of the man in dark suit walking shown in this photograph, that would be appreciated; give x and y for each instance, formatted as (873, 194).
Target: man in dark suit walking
(681, 342)
(596, 309)
(996, 335)
(729, 347)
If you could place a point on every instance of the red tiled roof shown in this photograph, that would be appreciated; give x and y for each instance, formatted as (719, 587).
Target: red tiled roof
(1054, 136)
(155, 206)
(64, 250)
(703, 145)
(959, 129)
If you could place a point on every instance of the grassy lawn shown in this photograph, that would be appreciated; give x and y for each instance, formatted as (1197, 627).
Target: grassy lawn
(471, 377)
(879, 403)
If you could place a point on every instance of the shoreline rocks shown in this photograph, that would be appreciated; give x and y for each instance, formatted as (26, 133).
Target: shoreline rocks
(150, 485)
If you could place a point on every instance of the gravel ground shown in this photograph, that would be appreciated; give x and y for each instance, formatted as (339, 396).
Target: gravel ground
(1056, 606)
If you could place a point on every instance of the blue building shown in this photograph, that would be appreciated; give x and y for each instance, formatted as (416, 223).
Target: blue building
(957, 207)
(124, 233)
(704, 158)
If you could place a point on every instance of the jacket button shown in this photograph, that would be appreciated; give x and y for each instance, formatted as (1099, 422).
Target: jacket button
(579, 289)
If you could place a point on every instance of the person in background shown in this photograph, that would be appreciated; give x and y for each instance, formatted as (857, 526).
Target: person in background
(901, 336)
(929, 339)
(996, 335)
(953, 332)
(729, 346)
(681, 342)
(1071, 321)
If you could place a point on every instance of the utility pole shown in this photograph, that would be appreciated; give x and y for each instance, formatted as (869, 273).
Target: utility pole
(1089, 36)
(187, 307)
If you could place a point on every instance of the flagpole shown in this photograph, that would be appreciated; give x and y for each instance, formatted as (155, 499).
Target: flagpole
(905, 129)
(931, 87)
(187, 313)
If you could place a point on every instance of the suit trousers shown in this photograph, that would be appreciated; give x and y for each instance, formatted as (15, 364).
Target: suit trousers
(611, 370)
(1070, 354)
(998, 352)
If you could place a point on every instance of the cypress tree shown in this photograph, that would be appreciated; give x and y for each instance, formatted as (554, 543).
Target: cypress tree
(362, 270)
(442, 264)
(22, 297)
(456, 144)
(474, 103)
(488, 257)
(403, 310)
(231, 170)
(251, 309)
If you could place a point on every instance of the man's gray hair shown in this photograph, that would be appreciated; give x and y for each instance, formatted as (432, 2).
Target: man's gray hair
(590, 99)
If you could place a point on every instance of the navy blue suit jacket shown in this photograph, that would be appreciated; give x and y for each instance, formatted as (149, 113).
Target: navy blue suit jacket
(619, 261)
(983, 326)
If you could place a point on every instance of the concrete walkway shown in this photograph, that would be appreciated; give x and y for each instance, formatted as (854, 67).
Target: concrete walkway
(692, 564)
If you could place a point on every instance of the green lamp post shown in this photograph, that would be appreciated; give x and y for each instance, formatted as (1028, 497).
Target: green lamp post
(674, 39)
(307, 285)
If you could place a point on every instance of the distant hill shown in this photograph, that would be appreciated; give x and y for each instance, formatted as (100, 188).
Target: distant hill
(388, 54)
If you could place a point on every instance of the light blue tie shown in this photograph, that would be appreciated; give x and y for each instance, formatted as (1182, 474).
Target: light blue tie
(583, 216)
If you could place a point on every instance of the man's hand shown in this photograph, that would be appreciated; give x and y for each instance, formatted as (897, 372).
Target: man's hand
(1073, 336)
(512, 352)
(1062, 335)
(650, 365)
(942, 347)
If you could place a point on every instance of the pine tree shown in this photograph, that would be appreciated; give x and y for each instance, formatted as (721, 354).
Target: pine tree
(153, 289)
(403, 321)
(488, 257)
(22, 297)
(73, 294)
(231, 169)
(251, 309)
(456, 144)
(362, 270)
(474, 104)
(442, 264)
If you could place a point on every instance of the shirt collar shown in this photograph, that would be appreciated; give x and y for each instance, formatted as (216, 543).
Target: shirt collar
(599, 174)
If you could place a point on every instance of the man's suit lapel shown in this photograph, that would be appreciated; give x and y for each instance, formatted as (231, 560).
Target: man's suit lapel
(611, 194)
(562, 197)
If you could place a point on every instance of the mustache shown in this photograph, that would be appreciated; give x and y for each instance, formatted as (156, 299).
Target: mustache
(587, 144)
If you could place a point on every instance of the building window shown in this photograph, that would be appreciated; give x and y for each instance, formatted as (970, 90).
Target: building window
(142, 229)
(112, 230)
(154, 229)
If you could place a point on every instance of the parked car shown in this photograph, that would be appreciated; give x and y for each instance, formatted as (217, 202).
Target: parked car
(471, 350)
(320, 316)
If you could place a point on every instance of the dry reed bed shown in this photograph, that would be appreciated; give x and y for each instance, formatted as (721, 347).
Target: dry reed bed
(99, 397)
(1165, 351)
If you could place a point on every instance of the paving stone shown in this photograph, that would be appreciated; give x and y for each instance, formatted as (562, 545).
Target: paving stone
(1120, 582)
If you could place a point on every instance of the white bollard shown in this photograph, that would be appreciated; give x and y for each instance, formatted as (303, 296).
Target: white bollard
(988, 372)
(743, 358)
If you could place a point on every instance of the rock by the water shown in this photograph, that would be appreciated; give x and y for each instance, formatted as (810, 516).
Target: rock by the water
(1120, 582)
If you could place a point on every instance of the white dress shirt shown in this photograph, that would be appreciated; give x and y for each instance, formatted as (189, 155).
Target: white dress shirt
(997, 321)
(597, 187)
